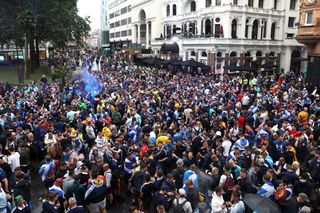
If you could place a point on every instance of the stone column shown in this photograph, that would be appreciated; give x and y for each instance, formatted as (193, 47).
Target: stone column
(259, 30)
(213, 62)
(250, 31)
(197, 55)
(139, 34)
(147, 35)
(269, 24)
(187, 55)
(243, 26)
(226, 63)
(134, 34)
(241, 58)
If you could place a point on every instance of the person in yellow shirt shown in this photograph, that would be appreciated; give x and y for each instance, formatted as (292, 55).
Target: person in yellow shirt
(303, 116)
(162, 139)
(106, 132)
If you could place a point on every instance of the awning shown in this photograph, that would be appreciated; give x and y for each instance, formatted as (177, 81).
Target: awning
(169, 48)
(269, 65)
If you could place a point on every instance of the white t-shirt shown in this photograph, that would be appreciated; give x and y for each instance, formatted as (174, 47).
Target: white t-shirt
(226, 147)
(14, 161)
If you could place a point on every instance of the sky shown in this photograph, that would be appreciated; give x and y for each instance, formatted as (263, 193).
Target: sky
(90, 8)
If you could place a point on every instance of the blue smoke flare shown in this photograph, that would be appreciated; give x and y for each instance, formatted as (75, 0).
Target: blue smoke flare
(92, 83)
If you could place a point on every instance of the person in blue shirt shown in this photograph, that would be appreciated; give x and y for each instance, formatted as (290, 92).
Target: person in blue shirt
(267, 189)
(280, 145)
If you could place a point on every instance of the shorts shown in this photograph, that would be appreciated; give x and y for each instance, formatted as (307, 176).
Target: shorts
(97, 207)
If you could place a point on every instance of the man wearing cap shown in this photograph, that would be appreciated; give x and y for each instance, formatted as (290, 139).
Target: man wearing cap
(183, 201)
(21, 205)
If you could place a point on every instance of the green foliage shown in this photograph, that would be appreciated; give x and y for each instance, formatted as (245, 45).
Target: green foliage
(55, 21)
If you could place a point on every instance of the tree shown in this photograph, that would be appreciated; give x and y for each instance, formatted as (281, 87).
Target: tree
(54, 21)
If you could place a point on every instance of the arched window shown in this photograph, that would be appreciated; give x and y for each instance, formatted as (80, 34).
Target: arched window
(233, 60)
(275, 4)
(174, 29)
(142, 15)
(208, 3)
(174, 10)
(259, 54)
(193, 53)
(235, 2)
(218, 2)
(203, 54)
(234, 28)
(273, 31)
(271, 54)
(255, 27)
(168, 31)
(219, 54)
(250, 3)
(260, 4)
(193, 6)
(265, 29)
(168, 10)
(208, 28)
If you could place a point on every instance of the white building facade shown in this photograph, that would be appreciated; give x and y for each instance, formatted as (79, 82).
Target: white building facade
(147, 22)
(221, 32)
(104, 24)
(120, 26)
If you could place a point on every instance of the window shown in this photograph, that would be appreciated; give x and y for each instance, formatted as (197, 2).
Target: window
(275, 4)
(129, 20)
(291, 22)
(111, 15)
(255, 27)
(218, 2)
(260, 3)
(234, 29)
(193, 6)
(193, 53)
(250, 3)
(174, 10)
(112, 25)
(273, 31)
(124, 10)
(117, 13)
(111, 35)
(129, 32)
(124, 33)
(235, 2)
(204, 54)
(290, 35)
(129, 8)
(123, 22)
(117, 34)
(308, 20)
(117, 24)
(208, 3)
(293, 4)
(168, 10)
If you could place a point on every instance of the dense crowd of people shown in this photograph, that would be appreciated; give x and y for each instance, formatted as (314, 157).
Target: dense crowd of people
(162, 142)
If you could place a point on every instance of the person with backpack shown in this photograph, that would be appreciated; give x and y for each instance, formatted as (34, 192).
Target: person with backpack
(226, 182)
(181, 204)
